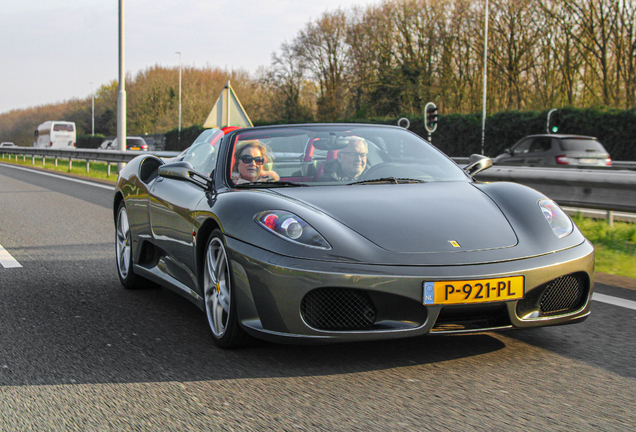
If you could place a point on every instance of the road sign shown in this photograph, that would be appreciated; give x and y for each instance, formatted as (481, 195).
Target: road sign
(227, 111)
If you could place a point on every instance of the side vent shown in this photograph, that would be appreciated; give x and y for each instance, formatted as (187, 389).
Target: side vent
(148, 169)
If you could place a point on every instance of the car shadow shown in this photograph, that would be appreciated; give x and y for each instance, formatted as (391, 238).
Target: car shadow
(92, 331)
(604, 340)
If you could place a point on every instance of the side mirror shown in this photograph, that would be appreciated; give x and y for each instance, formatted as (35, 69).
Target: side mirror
(509, 151)
(477, 163)
(184, 171)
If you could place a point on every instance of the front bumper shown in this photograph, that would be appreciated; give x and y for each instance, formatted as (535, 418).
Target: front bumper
(270, 289)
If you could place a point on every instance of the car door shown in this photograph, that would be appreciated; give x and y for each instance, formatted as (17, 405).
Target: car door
(171, 205)
(539, 151)
(519, 152)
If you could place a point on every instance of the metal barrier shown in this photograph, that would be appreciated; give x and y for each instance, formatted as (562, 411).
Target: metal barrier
(616, 165)
(611, 189)
(587, 188)
(86, 155)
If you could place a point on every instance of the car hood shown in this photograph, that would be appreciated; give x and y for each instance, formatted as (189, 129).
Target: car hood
(414, 218)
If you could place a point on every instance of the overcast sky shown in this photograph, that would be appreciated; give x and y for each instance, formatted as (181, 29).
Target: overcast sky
(51, 51)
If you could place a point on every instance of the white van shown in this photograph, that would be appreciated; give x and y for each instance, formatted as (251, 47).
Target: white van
(56, 134)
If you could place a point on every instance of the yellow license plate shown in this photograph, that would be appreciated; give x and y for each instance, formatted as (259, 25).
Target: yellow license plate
(473, 291)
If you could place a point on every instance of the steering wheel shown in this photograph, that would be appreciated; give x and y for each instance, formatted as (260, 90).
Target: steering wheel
(386, 169)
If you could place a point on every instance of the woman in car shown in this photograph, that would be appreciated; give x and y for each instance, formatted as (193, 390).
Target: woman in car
(249, 160)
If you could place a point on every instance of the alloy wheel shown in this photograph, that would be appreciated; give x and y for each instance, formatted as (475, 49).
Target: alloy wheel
(123, 243)
(217, 290)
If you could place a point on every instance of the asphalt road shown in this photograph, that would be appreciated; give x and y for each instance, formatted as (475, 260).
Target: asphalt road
(79, 352)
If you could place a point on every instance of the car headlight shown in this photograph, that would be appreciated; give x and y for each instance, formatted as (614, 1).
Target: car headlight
(560, 222)
(292, 228)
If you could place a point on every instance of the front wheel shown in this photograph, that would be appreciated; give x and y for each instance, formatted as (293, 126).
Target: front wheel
(123, 245)
(123, 248)
(218, 293)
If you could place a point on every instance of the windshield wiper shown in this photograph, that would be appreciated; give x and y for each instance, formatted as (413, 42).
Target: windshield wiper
(270, 184)
(390, 180)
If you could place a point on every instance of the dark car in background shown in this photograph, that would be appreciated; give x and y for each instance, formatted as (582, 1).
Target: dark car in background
(550, 149)
(132, 143)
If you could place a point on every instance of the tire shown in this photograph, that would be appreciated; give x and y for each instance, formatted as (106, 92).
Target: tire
(218, 294)
(123, 249)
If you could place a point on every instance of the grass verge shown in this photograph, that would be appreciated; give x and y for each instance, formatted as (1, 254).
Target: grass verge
(96, 170)
(615, 246)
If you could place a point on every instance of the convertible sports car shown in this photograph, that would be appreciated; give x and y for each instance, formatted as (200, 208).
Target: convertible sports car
(346, 232)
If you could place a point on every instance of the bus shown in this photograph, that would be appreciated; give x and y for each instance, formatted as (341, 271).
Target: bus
(55, 134)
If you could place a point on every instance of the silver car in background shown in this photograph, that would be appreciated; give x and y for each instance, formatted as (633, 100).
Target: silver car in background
(556, 150)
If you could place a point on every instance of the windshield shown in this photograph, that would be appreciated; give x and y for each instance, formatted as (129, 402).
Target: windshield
(59, 127)
(135, 142)
(336, 155)
(202, 153)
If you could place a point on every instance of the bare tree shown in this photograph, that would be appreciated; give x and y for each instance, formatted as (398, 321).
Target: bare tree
(323, 48)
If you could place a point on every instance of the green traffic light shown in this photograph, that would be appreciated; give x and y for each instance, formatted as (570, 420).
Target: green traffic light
(555, 129)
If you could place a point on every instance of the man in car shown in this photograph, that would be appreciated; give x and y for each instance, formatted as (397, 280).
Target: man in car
(350, 164)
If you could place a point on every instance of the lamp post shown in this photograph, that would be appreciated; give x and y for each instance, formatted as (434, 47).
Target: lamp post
(178, 52)
(483, 119)
(92, 110)
(121, 93)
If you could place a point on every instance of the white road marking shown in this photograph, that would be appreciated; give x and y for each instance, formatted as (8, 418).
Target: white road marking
(616, 301)
(6, 260)
(62, 177)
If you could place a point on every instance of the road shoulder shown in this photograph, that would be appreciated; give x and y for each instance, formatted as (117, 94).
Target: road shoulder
(615, 280)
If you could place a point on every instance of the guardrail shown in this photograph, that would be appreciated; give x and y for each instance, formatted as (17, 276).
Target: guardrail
(616, 165)
(586, 188)
(604, 189)
(86, 155)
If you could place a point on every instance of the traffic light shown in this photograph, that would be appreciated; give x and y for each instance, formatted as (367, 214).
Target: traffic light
(556, 124)
(430, 117)
(555, 121)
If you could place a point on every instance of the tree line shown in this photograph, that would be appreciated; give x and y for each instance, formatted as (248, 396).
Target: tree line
(388, 60)
(392, 58)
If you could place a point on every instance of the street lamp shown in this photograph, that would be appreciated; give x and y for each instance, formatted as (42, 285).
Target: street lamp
(178, 52)
(93, 110)
(483, 119)
(121, 92)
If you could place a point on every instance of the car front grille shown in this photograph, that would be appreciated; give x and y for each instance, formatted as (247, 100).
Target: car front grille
(338, 309)
(563, 294)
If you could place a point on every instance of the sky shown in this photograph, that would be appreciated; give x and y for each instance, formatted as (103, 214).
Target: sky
(54, 51)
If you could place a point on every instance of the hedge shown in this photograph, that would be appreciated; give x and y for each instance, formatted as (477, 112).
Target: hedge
(460, 134)
(89, 141)
(179, 141)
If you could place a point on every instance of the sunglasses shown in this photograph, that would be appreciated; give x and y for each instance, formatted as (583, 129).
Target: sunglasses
(247, 159)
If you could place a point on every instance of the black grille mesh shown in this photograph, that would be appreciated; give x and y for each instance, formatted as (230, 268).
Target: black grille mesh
(149, 169)
(338, 309)
(563, 294)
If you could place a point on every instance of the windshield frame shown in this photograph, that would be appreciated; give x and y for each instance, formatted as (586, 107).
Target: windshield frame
(378, 155)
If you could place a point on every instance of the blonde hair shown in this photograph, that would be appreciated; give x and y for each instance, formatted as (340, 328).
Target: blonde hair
(243, 145)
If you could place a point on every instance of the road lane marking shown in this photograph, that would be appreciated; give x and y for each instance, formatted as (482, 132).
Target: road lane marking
(616, 301)
(62, 177)
(6, 260)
